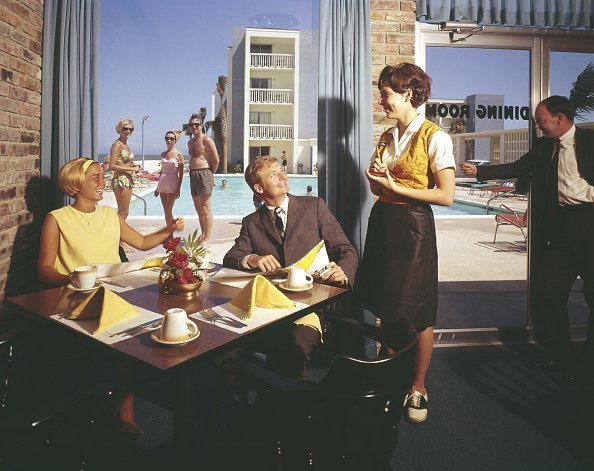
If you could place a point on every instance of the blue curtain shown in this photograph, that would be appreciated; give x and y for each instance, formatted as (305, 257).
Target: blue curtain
(345, 133)
(69, 93)
(538, 13)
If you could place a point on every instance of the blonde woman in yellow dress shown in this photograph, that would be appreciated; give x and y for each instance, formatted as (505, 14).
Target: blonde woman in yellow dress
(413, 167)
(121, 163)
(84, 234)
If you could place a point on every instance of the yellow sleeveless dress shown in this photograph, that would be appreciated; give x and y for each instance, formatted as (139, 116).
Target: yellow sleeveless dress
(86, 238)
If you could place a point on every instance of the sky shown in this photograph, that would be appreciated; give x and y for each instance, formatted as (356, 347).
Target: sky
(161, 58)
(458, 72)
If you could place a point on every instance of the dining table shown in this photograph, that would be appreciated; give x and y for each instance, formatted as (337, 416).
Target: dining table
(169, 362)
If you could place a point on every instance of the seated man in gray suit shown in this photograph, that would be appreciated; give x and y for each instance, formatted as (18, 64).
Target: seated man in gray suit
(279, 234)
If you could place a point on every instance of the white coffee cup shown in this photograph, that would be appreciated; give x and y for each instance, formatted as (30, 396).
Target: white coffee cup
(86, 276)
(176, 325)
(297, 278)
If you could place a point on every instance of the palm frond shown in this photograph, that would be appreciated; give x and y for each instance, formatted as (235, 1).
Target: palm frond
(582, 93)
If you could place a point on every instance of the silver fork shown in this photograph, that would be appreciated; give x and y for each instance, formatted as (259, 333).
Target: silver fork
(213, 317)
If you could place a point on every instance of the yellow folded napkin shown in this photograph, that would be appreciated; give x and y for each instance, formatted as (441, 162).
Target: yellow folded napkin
(262, 293)
(153, 262)
(106, 306)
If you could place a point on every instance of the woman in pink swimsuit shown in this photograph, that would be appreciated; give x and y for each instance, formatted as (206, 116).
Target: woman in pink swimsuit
(172, 173)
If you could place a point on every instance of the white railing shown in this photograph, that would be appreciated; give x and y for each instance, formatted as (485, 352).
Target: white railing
(513, 141)
(271, 131)
(272, 61)
(268, 95)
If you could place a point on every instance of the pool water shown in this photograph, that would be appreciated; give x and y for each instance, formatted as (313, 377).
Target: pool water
(236, 199)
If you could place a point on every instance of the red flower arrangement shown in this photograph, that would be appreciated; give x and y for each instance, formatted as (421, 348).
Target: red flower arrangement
(184, 260)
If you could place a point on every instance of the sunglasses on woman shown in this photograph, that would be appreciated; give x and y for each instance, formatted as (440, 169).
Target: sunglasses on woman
(170, 138)
(128, 129)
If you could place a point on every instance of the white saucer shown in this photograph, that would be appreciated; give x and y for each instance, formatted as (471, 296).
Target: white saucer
(276, 281)
(286, 288)
(156, 336)
(74, 287)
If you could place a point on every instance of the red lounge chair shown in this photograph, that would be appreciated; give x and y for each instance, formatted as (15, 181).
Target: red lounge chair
(519, 220)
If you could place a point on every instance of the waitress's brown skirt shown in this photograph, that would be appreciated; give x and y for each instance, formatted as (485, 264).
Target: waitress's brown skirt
(398, 274)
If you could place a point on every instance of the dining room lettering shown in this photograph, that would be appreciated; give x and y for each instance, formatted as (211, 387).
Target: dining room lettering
(454, 110)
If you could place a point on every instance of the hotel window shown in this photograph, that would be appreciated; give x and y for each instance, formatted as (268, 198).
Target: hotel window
(261, 48)
(261, 83)
(260, 117)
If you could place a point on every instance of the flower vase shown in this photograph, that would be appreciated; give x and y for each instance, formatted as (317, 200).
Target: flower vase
(184, 290)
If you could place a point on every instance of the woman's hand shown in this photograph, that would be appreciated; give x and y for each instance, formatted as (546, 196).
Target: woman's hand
(177, 225)
(380, 178)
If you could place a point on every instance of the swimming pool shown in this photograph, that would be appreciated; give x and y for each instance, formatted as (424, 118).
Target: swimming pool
(236, 199)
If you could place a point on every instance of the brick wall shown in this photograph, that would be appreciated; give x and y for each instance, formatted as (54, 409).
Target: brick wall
(21, 32)
(392, 41)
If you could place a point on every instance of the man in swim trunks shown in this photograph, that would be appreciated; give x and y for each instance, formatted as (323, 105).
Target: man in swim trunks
(204, 161)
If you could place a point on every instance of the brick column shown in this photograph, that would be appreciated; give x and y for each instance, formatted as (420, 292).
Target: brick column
(21, 33)
(392, 42)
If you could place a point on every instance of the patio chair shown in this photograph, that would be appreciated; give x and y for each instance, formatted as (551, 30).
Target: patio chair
(513, 218)
(347, 420)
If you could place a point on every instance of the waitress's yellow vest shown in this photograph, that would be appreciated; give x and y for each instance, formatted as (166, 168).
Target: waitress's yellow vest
(412, 169)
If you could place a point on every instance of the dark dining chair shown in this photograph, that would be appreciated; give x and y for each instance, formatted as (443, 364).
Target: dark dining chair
(347, 420)
(42, 427)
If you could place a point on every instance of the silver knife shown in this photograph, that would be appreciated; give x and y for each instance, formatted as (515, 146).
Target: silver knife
(137, 327)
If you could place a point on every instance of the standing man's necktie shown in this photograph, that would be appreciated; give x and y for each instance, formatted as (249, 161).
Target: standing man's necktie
(278, 222)
(553, 183)
(553, 224)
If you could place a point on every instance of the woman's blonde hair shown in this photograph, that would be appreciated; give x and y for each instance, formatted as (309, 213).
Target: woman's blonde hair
(122, 122)
(72, 175)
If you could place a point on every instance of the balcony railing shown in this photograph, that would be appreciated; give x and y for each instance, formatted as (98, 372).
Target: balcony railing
(271, 131)
(505, 146)
(272, 96)
(272, 61)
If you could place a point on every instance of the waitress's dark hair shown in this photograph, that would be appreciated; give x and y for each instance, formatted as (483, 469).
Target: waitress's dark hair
(407, 76)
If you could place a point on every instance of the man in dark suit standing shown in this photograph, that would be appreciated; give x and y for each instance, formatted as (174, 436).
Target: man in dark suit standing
(285, 229)
(561, 168)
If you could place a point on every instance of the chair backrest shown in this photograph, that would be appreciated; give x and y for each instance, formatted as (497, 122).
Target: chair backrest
(386, 376)
(347, 421)
(350, 421)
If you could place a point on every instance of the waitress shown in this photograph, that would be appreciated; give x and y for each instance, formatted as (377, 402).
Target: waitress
(413, 166)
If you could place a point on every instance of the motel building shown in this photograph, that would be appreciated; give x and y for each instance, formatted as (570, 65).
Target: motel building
(272, 97)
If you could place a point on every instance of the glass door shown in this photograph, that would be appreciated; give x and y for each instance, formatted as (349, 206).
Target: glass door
(481, 97)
